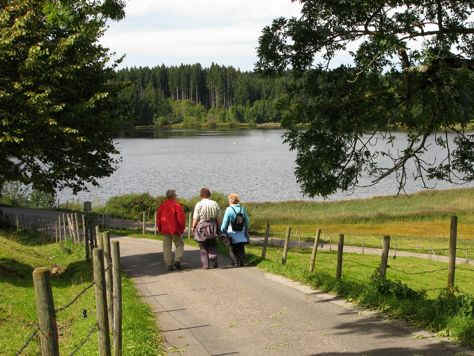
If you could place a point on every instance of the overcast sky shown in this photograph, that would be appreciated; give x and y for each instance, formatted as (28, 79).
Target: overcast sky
(190, 31)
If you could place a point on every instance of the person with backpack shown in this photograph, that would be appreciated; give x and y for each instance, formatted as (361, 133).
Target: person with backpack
(235, 225)
(206, 228)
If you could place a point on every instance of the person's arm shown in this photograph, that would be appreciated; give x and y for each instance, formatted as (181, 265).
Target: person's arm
(181, 218)
(225, 222)
(195, 216)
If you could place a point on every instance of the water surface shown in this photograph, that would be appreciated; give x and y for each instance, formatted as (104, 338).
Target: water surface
(254, 163)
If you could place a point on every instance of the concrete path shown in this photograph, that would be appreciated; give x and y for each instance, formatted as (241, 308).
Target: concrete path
(244, 311)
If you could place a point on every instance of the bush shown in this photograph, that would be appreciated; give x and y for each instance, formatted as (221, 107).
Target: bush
(132, 206)
(39, 199)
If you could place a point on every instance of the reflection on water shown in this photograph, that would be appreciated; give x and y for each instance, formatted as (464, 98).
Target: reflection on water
(254, 163)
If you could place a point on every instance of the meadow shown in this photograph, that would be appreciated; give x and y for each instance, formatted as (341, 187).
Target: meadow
(416, 222)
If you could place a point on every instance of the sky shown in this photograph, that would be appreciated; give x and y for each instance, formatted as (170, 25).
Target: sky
(172, 32)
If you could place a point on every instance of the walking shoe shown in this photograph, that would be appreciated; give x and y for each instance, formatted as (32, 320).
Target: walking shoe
(215, 264)
(177, 265)
(170, 268)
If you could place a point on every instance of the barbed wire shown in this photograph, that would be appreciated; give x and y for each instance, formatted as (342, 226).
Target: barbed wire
(85, 340)
(28, 341)
(80, 294)
(75, 299)
(415, 273)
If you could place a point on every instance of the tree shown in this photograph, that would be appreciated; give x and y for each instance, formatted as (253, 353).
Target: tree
(413, 69)
(58, 100)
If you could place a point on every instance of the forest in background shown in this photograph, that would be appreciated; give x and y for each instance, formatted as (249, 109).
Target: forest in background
(192, 96)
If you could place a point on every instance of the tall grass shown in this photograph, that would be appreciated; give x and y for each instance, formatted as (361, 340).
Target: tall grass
(418, 221)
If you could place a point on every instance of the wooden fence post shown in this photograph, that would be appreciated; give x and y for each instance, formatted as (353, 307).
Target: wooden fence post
(385, 253)
(117, 297)
(98, 238)
(64, 226)
(101, 303)
(285, 247)
(78, 229)
(315, 250)
(265, 240)
(340, 251)
(48, 330)
(108, 276)
(452, 251)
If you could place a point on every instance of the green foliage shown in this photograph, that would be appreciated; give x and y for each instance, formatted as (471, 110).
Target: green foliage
(17, 194)
(58, 101)
(40, 199)
(132, 206)
(340, 120)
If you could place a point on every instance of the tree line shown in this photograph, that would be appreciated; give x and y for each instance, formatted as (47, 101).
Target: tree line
(193, 94)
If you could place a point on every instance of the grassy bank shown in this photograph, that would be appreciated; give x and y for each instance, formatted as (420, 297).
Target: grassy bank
(416, 222)
(19, 255)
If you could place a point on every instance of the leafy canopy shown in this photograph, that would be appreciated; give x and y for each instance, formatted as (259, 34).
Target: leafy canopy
(57, 99)
(412, 69)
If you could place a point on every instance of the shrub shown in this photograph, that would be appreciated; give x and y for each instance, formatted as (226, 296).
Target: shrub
(132, 206)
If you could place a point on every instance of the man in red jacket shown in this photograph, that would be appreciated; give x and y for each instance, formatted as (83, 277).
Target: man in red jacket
(170, 221)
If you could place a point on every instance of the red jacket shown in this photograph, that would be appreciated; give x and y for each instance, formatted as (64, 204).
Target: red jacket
(170, 218)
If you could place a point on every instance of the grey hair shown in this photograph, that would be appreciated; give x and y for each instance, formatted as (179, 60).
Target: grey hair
(170, 193)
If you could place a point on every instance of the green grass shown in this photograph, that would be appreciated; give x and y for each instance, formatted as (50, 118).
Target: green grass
(414, 290)
(19, 255)
(418, 221)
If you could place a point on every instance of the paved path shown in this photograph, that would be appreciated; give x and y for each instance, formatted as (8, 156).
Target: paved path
(244, 311)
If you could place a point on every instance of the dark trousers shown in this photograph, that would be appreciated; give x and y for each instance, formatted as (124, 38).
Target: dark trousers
(238, 250)
(208, 252)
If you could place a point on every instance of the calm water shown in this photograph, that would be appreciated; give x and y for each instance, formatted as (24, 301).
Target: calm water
(254, 163)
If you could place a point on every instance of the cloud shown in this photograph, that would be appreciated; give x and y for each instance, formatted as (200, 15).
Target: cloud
(179, 31)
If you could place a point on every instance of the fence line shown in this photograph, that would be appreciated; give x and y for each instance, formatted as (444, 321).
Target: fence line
(47, 327)
(384, 265)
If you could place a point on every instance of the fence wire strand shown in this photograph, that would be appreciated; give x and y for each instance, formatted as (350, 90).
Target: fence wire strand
(28, 341)
(75, 299)
(85, 340)
(422, 272)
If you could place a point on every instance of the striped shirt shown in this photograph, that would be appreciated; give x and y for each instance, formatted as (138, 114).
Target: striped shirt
(206, 209)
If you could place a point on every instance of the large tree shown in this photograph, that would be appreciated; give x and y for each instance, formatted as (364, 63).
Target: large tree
(411, 68)
(58, 101)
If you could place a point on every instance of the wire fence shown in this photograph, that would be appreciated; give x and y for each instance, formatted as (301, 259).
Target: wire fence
(107, 299)
(388, 249)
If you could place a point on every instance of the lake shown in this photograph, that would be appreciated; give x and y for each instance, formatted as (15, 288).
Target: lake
(254, 163)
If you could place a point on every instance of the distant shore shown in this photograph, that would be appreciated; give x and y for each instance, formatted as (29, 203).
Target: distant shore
(217, 126)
